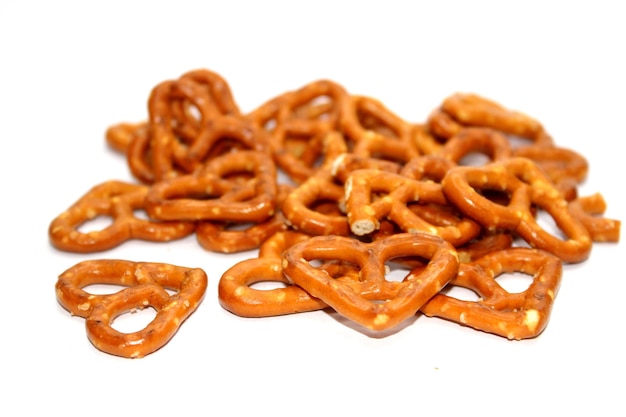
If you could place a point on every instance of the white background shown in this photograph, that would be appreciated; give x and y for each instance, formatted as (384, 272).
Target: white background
(68, 70)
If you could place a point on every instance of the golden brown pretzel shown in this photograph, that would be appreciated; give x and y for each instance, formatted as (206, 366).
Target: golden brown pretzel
(117, 200)
(565, 167)
(589, 210)
(210, 194)
(473, 110)
(476, 140)
(302, 210)
(519, 315)
(237, 294)
(372, 195)
(146, 285)
(527, 186)
(372, 301)
(230, 237)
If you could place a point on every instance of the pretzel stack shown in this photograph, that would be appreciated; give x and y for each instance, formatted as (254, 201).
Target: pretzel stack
(349, 206)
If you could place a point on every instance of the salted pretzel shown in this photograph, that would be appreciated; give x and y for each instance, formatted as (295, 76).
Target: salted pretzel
(476, 140)
(372, 195)
(210, 194)
(372, 301)
(589, 210)
(526, 186)
(116, 200)
(146, 285)
(519, 315)
(231, 237)
(236, 291)
(316, 206)
(565, 167)
(463, 109)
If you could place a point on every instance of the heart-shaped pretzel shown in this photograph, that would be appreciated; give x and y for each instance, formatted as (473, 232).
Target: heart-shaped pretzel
(371, 300)
(527, 187)
(212, 193)
(146, 285)
(518, 315)
(117, 200)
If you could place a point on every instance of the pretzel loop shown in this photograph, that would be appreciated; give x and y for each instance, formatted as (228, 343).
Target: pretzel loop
(145, 285)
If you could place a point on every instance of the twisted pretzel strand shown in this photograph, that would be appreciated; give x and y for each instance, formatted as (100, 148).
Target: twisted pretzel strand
(145, 286)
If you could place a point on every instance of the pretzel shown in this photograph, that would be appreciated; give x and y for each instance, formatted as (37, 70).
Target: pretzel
(365, 207)
(237, 294)
(565, 167)
(520, 315)
(372, 301)
(117, 200)
(589, 210)
(527, 186)
(146, 285)
(231, 237)
(302, 210)
(470, 140)
(209, 194)
(474, 110)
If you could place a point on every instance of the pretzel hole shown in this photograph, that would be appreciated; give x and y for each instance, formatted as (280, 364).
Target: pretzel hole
(397, 271)
(107, 289)
(514, 282)
(475, 159)
(268, 285)
(547, 223)
(501, 197)
(461, 293)
(100, 222)
(134, 320)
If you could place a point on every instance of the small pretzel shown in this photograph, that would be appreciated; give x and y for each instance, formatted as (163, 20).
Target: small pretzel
(527, 186)
(588, 210)
(474, 110)
(372, 301)
(516, 316)
(237, 294)
(565, 167)
(231, 237)
(209, 194)
(117, 200)
(365, 207)
(301, 207)
(146, 285)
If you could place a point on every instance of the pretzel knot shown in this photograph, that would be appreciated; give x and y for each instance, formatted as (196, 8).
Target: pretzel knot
(525, 187)
(117, 200)
(146, 285)
(519, 315)
(371, 300)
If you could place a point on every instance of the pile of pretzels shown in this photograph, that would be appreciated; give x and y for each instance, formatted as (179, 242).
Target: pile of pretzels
(348, 206)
